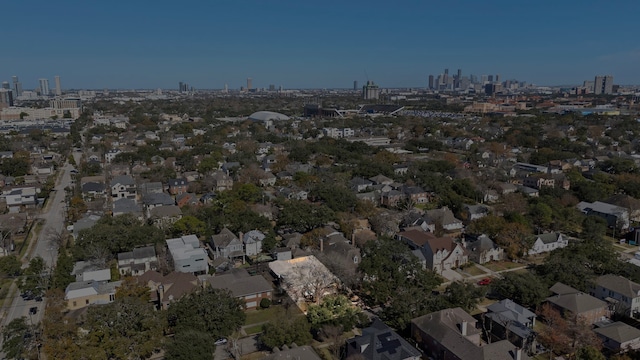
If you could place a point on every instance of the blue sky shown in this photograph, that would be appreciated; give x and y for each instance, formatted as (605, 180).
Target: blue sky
(315, 44)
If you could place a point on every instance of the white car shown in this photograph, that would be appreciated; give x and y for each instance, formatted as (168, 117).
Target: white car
(220, 341)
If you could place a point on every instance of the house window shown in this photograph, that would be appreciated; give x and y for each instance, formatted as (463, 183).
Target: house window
(74, 304)
(86, 301)
(112, 297)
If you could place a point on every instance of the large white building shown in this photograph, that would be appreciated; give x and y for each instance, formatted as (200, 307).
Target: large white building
(188, 256)
(603, 84)
(44, 87)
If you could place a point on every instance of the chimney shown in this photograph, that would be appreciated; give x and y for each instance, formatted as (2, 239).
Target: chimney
(322, 244)
(160, 293)
(463, 327)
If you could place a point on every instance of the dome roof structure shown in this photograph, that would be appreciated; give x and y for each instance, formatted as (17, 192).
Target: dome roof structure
(267, 116)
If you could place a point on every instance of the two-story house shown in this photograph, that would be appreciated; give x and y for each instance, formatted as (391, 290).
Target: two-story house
(138, 261)
(378, 341)
(187, 255)
(482, 249)
(253, 242)
(222, 181)
(250, 289)
(226, 245)
(440, 253)
(178, 186)
(507, 320)
(623, 294)
(123, 187)
(572, 302)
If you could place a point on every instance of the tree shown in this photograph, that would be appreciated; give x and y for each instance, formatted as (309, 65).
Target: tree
(285, 331)
(513, 237)
(589, 353)
(34, 280)
(212, 311)
(463, 294)
(126, 328)
(19, 339)
(62, 272)
(554, 335)
(490, 225)
(335, 310)
(10, 266)
(190, 345)
(188, 225)
(525, 288)
(303, 217)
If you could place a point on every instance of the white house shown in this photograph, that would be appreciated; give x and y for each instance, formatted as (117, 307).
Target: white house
(622, 292)
(253, 242)
(548, 242)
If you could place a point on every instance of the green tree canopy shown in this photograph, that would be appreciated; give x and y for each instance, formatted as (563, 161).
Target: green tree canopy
(525, 289)
(285, 331)
(334, 310)
(212, 311)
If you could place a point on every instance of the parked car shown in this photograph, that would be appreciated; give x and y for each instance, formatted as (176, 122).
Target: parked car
(221, 341)
(485, 281)
(33, 310)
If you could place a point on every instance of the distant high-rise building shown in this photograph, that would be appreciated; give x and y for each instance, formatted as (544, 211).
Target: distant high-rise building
(6, 98)
(17, 86)
(603, 84)
(5, 85)
(431, 85)
(446, 71)
(490, 79)
(249, 84)
(58, 88)
(272, 87)
(226, 88)
(497, 78)
(459, 73)
(44, 87)
(483, 78)
(355, 85)
(180, 86)
(370, 91)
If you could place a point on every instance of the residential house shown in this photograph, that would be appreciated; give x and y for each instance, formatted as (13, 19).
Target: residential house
(185, 199)
(380, 342)
(253, 242)
(482, 249)
(138, 261)
(506, 320)
(178, 186)
(391, 198)
(187, 255)
(292, 240)
(340, 249)
(539, 181)
(151, 188)
(251, 289)
(267, 179)
(155, 200)
(381, 179)
(626, 202)
(622, 293)
(359, 184)
(443, 218)
(440, 253)
(548, 242)
(127, 206)
(93, 190)
(400, 169)
(86, 222)
(80, 294)
(616, 216)
(165, 216)
(268, 162)
(166, 289)
(572, 302)
(18, 199)
(110, 155)
(123, 187)
(474, 212)
(452, 334)
(222, 181)
(226, 245)
(415, 194)
(619, 337)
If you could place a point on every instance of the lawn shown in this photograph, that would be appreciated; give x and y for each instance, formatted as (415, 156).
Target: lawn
(502, 265)
(473, 270)
(262, 315)
(252, 330)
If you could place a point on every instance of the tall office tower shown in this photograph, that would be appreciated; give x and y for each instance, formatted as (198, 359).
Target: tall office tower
(370, 91)
(446, 71)
(603, 84)
(355, 85)
(180, 86)
(58, 88)
(490, 78)
(5, 85)
(226, 88)
(44, 87)
(248, 84)
(459, 74)
(483, 79)
(497, 78)
(17, 86)
(431, 82)
(272, 87)
(6, 98)
(473, 78)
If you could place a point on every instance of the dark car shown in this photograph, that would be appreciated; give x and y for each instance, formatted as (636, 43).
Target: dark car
(33, 310)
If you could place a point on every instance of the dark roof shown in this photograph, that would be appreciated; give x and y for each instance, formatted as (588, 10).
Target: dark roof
(93, 187)
(158, 199)
(296, 353)
(224, 238)
(379, 342)
(619, 332)
(240, 285)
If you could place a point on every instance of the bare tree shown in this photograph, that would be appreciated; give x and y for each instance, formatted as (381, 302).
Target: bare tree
(309, 280)
(58, 238)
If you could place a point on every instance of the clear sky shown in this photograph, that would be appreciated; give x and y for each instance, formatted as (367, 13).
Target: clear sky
(315, 44)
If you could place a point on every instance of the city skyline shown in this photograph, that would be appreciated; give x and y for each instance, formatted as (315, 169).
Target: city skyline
(299, 45)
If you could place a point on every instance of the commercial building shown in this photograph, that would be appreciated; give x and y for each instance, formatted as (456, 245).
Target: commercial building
(58, 88)
(6, 98)
(44, 87)
(370, 91)
(603, 84)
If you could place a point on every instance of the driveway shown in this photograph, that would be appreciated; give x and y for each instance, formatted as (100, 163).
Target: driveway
(452, 275)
